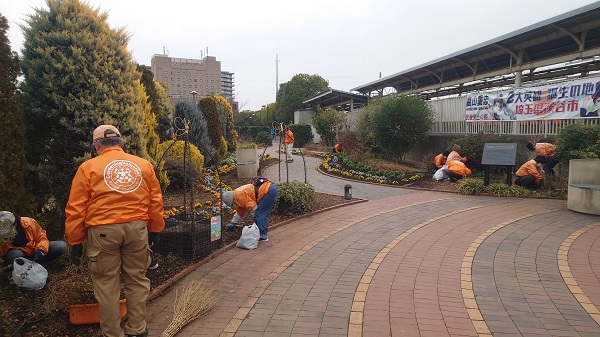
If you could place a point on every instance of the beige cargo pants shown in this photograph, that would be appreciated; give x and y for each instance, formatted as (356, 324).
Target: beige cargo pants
(115, 252)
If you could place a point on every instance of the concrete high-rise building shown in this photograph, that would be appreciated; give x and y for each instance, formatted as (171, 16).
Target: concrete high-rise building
(190, 79)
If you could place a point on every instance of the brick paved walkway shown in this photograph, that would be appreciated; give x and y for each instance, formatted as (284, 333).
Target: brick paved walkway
(407, 263)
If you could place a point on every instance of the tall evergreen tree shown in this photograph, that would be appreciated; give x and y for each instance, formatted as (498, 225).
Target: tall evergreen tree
(13, 165)
(78, 74)
(159, 103)
(210, 109)
(198, 132)
(226, 114)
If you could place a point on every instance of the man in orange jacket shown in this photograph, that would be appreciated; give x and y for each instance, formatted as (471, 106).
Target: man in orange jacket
(24, 237)
(547, 150)
(456, 154)
(456, 169)
(115, 201)
(288, 143)
(529, 175)
(257, 198)
(440, 159)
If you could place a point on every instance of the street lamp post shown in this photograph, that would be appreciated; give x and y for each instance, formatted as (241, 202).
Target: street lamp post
(194, 93)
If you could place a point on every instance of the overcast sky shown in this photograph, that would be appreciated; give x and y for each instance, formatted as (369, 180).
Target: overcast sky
(347, 42)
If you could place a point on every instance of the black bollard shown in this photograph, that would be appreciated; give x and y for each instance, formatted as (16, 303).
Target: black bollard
(348, 192)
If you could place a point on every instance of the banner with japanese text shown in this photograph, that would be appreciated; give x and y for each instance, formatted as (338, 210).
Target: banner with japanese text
(575, 99)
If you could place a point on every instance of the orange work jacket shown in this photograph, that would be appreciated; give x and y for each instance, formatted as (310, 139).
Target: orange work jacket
(439, 160)
(289, 137)
(458, 167)
(530, 168)
(244, 197)
(36, 236)
(112, 188)
(453, 155)
(545, 149)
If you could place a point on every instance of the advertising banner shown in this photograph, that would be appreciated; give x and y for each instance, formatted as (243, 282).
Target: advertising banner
(575, 99)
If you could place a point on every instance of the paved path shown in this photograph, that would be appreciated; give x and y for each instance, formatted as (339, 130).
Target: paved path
(408, 263)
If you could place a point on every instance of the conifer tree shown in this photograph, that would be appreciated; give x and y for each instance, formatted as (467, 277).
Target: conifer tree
(159, 103)
(209, 108)
(226, 114)
(13, 165)
(78, 74)
(198, 132)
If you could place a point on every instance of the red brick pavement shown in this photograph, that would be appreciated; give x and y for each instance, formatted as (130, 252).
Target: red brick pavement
(396, 266)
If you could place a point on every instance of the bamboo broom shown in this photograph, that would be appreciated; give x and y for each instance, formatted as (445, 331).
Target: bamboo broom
(196, 300)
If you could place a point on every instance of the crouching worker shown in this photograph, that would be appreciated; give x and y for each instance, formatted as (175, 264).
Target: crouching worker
(338, 148)
(456, 169)
(440, 159)
(24, 237)
(257, 198)
(529, 175)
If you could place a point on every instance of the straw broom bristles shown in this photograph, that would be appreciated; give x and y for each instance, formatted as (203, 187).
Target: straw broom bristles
(196, 300)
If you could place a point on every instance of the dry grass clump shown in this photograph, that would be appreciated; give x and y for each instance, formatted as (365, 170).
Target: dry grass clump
(196, 299)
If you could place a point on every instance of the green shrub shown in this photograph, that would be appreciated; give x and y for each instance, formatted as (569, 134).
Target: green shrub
(578, 141)
(302, 134)
(264, 138)
(176, 152)
(295, 198)
(470, 186)
(399, 123)
(178, 177)
(503, 190)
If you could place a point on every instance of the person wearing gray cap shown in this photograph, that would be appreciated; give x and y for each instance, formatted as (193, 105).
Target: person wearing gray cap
(24, 237)
(257, 198)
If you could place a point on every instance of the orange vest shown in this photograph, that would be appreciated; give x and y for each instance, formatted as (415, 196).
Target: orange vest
(113, 188)
(245, 199)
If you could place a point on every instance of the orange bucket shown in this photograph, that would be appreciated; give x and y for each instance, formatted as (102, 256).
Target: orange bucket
(90, 313)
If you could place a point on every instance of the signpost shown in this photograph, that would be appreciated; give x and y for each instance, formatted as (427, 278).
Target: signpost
(499, 154)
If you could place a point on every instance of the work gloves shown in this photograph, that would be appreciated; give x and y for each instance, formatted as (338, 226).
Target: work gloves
(153, 239)
(39, 254)
(76, 252)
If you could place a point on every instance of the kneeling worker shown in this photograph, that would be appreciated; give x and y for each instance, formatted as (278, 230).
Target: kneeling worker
(24, 237)
(257, 198)
(529, 175)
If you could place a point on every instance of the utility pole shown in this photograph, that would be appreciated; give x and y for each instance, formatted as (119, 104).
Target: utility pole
(276, 75)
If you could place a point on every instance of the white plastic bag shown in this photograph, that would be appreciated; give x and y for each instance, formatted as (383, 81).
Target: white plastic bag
(29, 274)
(249, 238)
(440, 175)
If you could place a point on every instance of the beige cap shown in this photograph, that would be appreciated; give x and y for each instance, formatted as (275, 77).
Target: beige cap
(7, 219)
(106, 131)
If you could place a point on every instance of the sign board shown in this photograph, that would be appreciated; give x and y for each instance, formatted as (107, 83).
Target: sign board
(502, 154)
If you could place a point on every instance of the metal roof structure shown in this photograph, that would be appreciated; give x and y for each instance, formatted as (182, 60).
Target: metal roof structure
(337, 99)
(569, 42)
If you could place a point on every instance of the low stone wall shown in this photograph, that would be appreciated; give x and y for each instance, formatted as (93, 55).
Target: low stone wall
(584, 186)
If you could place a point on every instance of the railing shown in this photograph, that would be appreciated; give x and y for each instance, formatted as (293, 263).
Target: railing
(533, 127)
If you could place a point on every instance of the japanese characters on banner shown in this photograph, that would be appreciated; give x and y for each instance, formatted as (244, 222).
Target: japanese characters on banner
(576, 99)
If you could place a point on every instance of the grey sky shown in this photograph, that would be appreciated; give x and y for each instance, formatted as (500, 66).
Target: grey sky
(347, 42)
